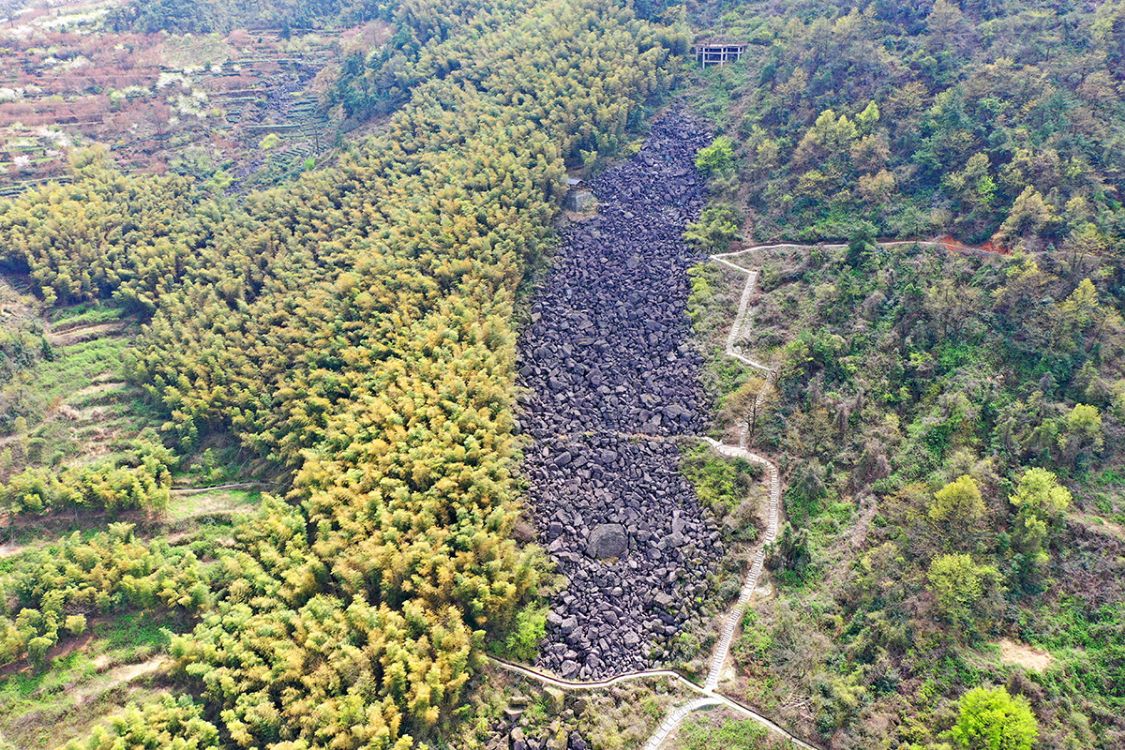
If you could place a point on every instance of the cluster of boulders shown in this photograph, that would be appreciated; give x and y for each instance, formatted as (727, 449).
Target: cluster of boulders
(518, 740)
(609, 370)
(609, 346)
(626, 529)
(513, 730)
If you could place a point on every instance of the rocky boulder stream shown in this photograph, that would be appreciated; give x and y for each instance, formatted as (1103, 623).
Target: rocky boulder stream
(610, 373)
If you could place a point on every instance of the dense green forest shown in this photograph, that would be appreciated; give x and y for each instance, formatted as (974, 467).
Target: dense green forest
(948, 420)
(354, 327)
(987, 120)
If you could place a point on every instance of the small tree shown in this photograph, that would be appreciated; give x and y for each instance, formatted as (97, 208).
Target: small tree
(958, 502)
(528, 630)
(74, 624)
(716, 159)
(993, 719)
(1029, 217)
(866, 119)
(1040, 502)
(269, 142)
(1081, 435)
(38, 648)
(747, 403)
(806, 489)
(790, 554)
(1039, 493)
(718, 226)
(961, 587)
(862, 244)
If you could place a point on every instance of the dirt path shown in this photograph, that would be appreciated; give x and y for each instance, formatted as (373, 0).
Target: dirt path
(734, 617)
(58, 651)
(187, 491)
(190, 504)
(741, 324)
(1024, 655)
(119, 676)
(98, 388)
(721, 654)
(7, 549)
(706, 699)
(708, 695)
(81, 333)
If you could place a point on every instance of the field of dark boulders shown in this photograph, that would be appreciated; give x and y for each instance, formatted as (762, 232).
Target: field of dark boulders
(608, 369)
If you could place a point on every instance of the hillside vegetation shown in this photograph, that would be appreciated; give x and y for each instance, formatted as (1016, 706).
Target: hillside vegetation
(243, 107)
(223, 15)
(950, 426)
(261, 471)
(355, 328)
(990, 120)
(949, 419)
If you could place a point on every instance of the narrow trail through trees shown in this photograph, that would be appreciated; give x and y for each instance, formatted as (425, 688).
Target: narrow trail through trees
(708, 695)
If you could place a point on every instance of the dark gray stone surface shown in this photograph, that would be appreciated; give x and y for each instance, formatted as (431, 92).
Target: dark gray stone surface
(607, 541)
(608, 355)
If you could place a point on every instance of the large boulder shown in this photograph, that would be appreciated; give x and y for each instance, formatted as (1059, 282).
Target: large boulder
(581, 201)
(607, 540)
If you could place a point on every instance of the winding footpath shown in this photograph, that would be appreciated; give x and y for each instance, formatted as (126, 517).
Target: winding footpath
(721, 653)
(707, 694)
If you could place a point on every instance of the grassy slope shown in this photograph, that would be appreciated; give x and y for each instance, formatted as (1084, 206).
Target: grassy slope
(90, 679)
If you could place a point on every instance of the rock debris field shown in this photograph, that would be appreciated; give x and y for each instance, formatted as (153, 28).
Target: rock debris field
(608, 369)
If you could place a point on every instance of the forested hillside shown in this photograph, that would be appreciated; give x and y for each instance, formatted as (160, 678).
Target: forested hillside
(950, 426)
(274, 472)
(355, 327)
(949, 419)
(990, 120)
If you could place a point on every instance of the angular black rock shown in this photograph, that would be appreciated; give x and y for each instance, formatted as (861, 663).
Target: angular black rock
(608, 356)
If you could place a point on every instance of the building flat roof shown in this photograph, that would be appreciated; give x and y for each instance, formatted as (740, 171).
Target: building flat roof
(719, 43)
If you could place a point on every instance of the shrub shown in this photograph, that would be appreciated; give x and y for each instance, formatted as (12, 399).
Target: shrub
(961, 586)
(522, 643)
(174, 723)
(1040, 502)
(992, 719)
(718, 158)
(958, 503)
(718, 226)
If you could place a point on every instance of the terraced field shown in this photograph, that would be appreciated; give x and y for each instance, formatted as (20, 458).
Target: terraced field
(72, 407)
(250, 103)
(74, 404)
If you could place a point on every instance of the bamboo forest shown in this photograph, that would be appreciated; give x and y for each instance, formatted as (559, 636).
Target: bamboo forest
(562, 375)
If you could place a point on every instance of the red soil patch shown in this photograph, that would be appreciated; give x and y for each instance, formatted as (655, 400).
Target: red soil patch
(954, 245)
